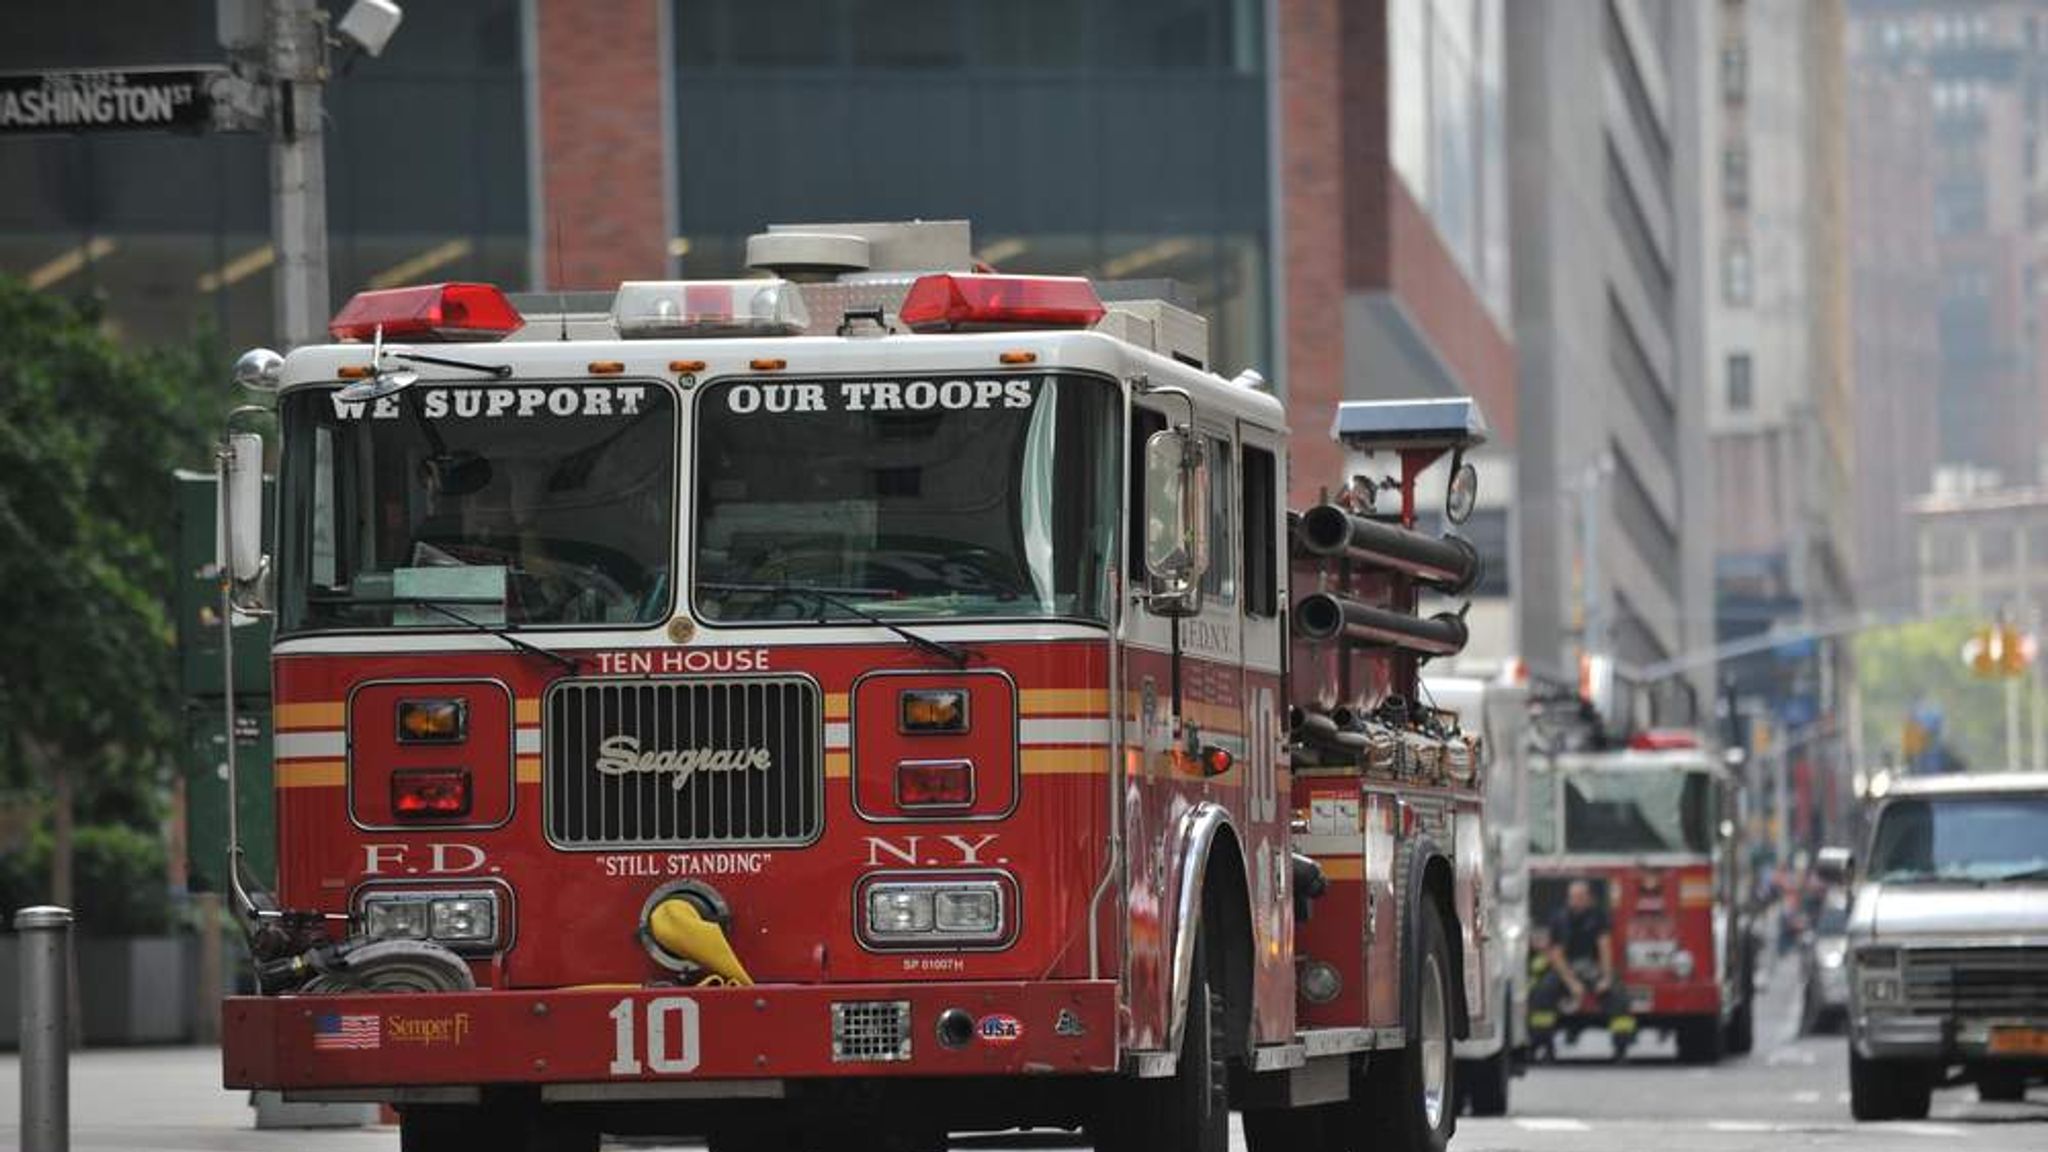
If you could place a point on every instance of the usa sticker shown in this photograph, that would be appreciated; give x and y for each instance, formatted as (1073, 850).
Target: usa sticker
(1001, 1029)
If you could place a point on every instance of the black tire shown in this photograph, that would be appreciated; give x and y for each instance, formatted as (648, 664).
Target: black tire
(1999, 1086)
(1188, 1111)
(1882, 1090)
(1315, 1129)
(1740, 1037)
(1403, 1111)
(1484, 1083)
(1699, 1041)
(510, 1127)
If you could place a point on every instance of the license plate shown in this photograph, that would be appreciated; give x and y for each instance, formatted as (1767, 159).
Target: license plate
(2019, 1041)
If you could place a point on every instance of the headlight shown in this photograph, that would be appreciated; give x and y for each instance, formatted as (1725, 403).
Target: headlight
(929, 710)
(1831, 957)
(468, 919)
(1320, 982)
(926, 913)
(973, 911)
(1877, 957)
(453, 918)
(1682, 964)
(1881, 990)
(395, 919)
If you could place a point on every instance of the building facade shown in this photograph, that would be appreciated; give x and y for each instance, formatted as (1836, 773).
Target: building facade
(1781, 408)
(1986, 78)
(1326, 177)
(1895, 325)
(1614, 546)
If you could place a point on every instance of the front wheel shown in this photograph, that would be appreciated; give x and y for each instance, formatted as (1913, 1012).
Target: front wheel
(1188, 1111)
(2001, 1087)
(1888, 1090)
(504, 1128)
(1699, 1041)
(1409, 1096)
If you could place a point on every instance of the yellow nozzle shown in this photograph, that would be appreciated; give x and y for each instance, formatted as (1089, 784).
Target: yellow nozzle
(681, 929)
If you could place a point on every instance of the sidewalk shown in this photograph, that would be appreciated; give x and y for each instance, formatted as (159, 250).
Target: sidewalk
(167, 1100)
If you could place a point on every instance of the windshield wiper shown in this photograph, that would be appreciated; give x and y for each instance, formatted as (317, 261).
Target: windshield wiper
(501, 371)
(2028, 874)
(952, 653)
(568, 662)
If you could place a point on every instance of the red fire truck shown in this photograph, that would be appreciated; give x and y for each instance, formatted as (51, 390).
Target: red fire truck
(855, 701)
(1653, 826)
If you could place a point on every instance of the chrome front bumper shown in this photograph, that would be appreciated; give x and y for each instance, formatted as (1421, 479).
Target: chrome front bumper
(1890, 1036)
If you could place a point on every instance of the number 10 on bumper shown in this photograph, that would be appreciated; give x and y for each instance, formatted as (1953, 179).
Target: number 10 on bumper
(666, 1015)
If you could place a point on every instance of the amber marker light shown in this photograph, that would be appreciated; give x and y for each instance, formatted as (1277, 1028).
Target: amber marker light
(768, 365)
(933, 710)
(1019, 357)
(432, 721)
(686, 367)
(607, 367)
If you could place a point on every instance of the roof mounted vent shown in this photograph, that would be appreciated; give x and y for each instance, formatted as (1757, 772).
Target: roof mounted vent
(814, 252)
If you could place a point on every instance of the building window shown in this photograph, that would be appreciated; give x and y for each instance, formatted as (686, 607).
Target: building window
(1994, 547)
(1734, 72)
(1741, 389)
(1735, 178)
(1737, 288)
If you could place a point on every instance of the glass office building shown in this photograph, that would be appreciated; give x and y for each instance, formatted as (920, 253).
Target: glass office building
(426, 171)
(1124, 140)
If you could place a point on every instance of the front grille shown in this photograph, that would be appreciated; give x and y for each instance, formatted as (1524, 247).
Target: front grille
(1990, 981)
(871, 1031)
(683, 763)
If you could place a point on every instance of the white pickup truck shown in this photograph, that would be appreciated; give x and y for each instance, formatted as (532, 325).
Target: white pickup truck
(1948, 943)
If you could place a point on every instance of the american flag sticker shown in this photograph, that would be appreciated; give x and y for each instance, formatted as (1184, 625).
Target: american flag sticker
(336, 1032)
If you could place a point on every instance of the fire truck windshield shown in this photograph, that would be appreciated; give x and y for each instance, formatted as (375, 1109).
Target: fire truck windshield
(914, 498)
(1627, 811)
(547, 505)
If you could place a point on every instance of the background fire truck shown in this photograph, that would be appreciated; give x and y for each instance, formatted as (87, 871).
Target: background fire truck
(871, 701)
(1654, 824)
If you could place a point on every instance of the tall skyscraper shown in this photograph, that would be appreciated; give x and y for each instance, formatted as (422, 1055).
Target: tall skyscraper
(1614, 542)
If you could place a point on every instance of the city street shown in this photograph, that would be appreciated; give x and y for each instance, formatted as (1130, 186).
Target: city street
(1792, 1093)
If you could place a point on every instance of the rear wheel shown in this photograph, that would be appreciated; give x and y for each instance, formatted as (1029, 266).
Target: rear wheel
(1888, 1090)
(1410, 1096)
(1188, 1111)
(1319, 1128)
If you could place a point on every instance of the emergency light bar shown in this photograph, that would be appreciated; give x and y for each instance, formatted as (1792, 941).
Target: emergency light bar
(655, 308)
(428, 312)
(957, 301)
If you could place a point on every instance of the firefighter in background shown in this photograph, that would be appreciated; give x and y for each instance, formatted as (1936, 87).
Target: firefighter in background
(1579, 978)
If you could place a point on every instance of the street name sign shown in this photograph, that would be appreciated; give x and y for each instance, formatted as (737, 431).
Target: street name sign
(108, 100)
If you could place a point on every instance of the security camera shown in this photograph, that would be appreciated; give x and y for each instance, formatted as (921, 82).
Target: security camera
(368, 24)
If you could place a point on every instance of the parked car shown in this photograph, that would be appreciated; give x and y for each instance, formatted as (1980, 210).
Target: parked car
(1824, 969)
(1948, 944)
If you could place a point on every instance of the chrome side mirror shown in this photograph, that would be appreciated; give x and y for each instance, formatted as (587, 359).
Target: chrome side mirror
(241, 518)
(1176, 522)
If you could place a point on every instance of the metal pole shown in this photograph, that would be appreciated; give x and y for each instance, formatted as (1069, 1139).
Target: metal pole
(2012, 723)
(45, 933)
(298, 171)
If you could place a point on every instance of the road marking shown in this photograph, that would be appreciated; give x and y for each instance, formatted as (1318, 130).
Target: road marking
(1841, 1097)
(1917, 1129)
(1783, 1056)
(1808, 1097)
(1740, 1126)
(1551, 1124)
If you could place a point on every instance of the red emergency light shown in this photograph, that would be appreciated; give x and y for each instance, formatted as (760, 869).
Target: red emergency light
(1664, 740)
(959, 301)
(428, 312)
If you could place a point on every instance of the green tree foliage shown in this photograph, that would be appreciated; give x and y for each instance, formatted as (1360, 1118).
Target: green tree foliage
(1900, 667)
(89, 433)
